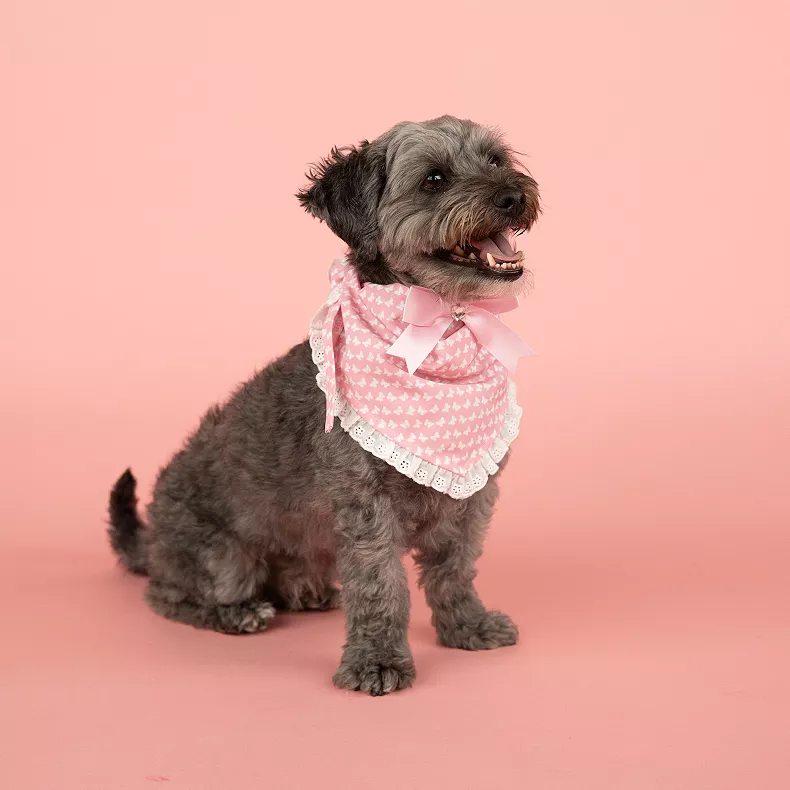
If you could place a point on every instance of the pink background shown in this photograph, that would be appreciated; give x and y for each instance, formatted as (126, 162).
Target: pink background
(149, 244)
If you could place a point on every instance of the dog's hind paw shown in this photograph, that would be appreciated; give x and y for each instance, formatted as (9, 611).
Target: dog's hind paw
(329, 598)
(493, 630)
(245, 618)
(374, 678)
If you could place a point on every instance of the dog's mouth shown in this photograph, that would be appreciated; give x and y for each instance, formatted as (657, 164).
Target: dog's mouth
(495, 255)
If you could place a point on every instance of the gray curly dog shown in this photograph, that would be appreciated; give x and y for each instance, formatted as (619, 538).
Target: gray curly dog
(262, 510)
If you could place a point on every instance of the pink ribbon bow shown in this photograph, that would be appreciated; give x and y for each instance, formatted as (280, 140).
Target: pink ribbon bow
(428, 318)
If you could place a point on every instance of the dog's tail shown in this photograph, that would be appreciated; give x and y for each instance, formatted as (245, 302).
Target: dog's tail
(127, 530)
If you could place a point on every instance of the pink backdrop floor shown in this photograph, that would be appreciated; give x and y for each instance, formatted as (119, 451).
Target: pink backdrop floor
(655, 663)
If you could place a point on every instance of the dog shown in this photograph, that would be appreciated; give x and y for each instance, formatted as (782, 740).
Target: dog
(263, 509)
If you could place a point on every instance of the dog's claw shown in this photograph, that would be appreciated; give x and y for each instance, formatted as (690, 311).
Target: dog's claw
(374, 678)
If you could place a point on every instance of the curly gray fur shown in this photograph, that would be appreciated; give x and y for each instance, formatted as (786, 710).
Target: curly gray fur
(263, 510)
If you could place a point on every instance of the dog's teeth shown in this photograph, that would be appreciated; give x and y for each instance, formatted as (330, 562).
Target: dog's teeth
(490, 259)
(472, 256)
(458, 251)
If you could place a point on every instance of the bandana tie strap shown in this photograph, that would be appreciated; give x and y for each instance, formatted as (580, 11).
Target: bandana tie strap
(330, 362)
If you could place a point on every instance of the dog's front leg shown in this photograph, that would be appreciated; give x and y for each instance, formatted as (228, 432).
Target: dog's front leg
(446, 556)
(376, 657)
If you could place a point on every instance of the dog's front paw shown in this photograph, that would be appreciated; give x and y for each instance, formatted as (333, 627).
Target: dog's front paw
(494, 629)
(375, 676)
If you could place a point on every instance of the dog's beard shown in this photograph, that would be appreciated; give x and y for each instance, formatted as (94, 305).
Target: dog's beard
(484, 267)
(454, 283)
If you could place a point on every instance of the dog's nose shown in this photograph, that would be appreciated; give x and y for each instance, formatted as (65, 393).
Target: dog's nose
(510, 199)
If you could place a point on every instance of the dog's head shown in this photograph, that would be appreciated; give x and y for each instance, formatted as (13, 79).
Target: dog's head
(435, 204)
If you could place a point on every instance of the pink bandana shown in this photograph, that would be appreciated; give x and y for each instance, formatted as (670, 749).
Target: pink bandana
(450, 424)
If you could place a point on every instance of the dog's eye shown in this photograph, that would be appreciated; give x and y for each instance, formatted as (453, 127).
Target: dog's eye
(494, 161)
(433, 181)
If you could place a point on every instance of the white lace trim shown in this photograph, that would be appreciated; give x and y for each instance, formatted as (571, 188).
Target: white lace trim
(455, 485)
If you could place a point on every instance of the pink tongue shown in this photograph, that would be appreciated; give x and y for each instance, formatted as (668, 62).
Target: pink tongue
(498, 245)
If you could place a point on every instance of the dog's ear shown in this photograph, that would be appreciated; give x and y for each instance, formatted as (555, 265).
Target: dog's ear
(344, 192)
